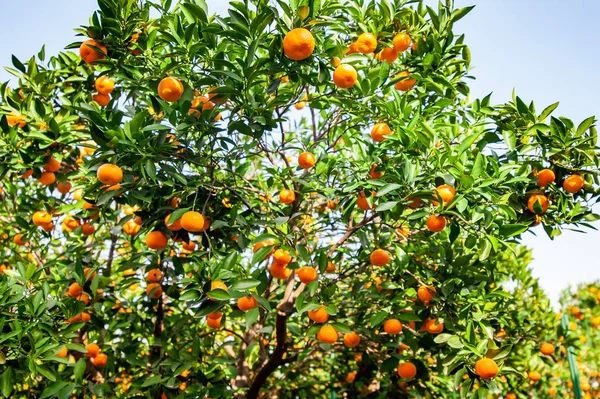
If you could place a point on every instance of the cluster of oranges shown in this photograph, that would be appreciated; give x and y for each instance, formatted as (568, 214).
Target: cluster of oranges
(538, 203)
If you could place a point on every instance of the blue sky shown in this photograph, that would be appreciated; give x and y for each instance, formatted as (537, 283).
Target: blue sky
(548, 50)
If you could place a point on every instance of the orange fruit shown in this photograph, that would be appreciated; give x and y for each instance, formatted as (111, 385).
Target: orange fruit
(92, 350)
(213, 322)
(99, 360)
(174, 226)
(327, 335)
(366, 43)
(246, 303)
(131, 228)
(109, 174)
(300, 105)
(14, 119)
(156, 240)
(52, 165)
(373, 172)
(170, 89)
(510, 396)
(392, 326)
(319, 315)
(83, 298)
(87, 229)
(351, 50)
(433, 326)
(379, 257)
(541, 199)
(573, 184)
(74, 290)
(407, 370)
(351, 376)
(101, 99)
(545, 177)
(379, 131)
(104, 85)
(279, 271)
(547, 349)
(41, 217)
(415, 202)
(88, 274)
(486, 368)
(388, 54)
(90, 55)
(287, 196)
(330, 267)
(282, 257)
(63, 188)
(401, 42)
(351, 340)
(156, 288)
(436, 223)
(306, 160)
(345, 76)
(426, 293)
(27, 174)
(534, 375)
(154, 276)
(298, 44)
(264, 243)
(47, 178)
(18, 239)
(445, 192)
(362, 201)
(70, 223)
(188, 246)
(406, 84)
(62, 352)
(218, 98)
(192, 221)
(307, 274)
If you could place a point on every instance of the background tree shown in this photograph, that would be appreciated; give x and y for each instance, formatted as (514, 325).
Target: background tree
(294, 200)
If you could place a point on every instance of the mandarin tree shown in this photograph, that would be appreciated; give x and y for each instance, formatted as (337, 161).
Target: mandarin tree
(175, 222)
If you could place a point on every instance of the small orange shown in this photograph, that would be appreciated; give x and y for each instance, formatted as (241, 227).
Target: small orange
(351, 376)
(307, 274)
(426, 293)
(374, 174)
(47, 178)
(298, 44)
(101, 99)
(154, 276)
(306, 160)
(406, 84)
(534, 375)
(327, 335)
(170, 89)
(62, 352)
(287, 196)
(362, 201)
(573, 184)
(319, 315)
(99, 360)
(41, 217)
(14, 119)
(351, 50)
(156, 240)
(47, 227)
(155, 289)
(547, 349)
(407, 370)
(282, 257)
(433, 326)
(366, 43)
(18, 239)
(87, 229)
(74, 290)
(351, 340)
(392, 326)
(401, 42)
(279, 271)
(436, 223)
(90, 55)
(64, 188)
(545, 177)
(109, 174)
(445, 192)
(175, 225)
(27, 174)
(379, 257)
(345, 76)
(52, 165)
(379, 131)
(192, 221)
(131, 228)
(246, 303)
(92, 350)
(104, 85)
(213, 322)
(486, 368)
(88, 273)
(188, 246)
(541, 199)
(388, 54)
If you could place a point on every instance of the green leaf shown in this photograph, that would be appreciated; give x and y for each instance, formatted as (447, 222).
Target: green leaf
(585, 125)
(150, 169)
(155, 379)
(547, 111)
(7, 382)
(54, 388)
(377, 318)
(510, 230)
(460, 13)
(442, 338)
(455, 342)
(388, 188)
(219, 294)
(246, 284)
(79, 369)
(386, 206)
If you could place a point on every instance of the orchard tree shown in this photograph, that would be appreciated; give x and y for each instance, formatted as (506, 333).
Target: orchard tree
(298, 199)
